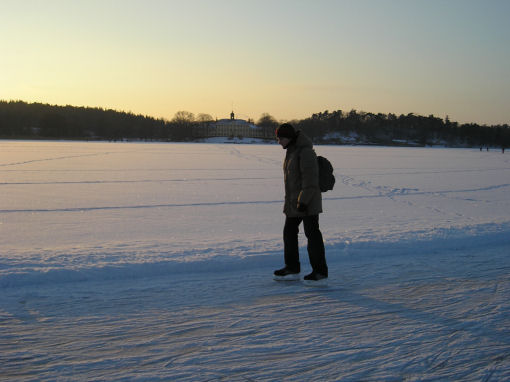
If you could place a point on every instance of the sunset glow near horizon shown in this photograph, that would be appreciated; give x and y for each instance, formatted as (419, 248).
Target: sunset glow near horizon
(288, 58)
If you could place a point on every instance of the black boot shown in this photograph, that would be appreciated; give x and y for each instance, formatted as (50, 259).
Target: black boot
(286, 274)
(315, 276)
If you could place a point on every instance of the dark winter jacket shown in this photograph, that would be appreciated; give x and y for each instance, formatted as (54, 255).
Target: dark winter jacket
(301, 177)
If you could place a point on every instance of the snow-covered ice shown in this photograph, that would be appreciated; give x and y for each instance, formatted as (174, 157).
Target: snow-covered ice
(154, 261)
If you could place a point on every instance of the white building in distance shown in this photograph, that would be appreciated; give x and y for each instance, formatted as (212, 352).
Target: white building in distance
(231, 128)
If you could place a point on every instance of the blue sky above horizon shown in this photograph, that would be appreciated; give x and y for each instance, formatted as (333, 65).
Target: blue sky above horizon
(286, 58)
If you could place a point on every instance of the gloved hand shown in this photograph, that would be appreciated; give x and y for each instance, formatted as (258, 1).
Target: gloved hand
(302, 207)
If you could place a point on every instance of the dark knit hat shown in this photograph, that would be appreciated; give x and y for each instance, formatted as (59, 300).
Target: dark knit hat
(286, 131)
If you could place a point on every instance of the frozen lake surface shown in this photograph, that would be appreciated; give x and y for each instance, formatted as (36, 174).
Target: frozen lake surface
(133, 261)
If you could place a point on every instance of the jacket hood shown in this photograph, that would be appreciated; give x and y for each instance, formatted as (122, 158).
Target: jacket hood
(302, 141)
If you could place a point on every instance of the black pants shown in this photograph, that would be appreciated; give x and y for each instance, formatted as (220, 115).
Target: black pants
(315, 247)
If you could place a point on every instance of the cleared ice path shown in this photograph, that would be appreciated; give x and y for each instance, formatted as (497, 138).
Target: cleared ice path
(437, 316)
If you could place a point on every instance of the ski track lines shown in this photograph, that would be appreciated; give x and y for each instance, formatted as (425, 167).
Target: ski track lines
(393, 193)
(147, 206)
(238, 154)
(382, 192)
(54, 159)
(135, 181)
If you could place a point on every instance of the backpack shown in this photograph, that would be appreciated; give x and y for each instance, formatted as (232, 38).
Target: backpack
(326, 177)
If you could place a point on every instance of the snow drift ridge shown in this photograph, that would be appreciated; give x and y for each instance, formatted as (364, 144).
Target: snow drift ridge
(229, 258)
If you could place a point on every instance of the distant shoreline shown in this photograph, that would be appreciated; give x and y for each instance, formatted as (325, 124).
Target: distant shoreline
(23, 121)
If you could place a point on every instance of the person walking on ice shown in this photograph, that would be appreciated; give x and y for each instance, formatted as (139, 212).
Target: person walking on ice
(303, 204)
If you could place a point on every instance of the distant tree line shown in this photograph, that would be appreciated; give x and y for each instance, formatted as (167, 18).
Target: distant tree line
(390, 129)
(35, 120)
(21, 120)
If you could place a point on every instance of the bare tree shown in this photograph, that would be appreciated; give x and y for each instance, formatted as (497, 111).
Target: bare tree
(267, 120)
(204, 118)
(183, 117)
(183, 125)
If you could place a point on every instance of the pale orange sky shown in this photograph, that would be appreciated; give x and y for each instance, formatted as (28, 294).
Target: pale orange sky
(289, 58)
